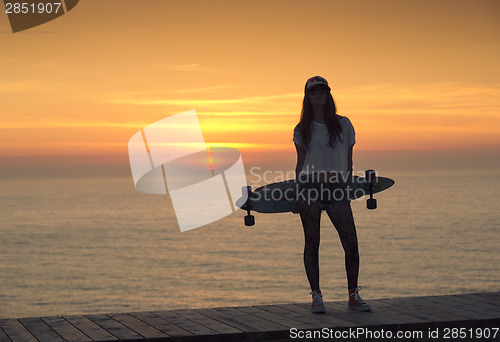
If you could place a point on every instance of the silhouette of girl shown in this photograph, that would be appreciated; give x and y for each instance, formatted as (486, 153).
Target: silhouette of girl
(324, 141)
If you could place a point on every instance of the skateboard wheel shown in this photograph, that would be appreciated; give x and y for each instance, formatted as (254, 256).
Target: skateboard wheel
(371, 203)
(249, 220)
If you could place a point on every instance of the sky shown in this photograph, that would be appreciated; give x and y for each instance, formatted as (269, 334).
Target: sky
(419, 80)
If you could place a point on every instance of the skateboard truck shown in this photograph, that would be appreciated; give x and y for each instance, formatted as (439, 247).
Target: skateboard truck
(249, 219)
(371, 180)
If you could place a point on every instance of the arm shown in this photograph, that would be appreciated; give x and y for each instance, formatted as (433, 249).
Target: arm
(351, 141)
(349, 171)
(349, 165)
(301, 156)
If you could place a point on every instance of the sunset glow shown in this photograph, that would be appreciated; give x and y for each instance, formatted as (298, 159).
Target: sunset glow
(84, 83)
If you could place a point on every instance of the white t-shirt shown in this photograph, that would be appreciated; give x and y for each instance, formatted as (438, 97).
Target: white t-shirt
(319, 155)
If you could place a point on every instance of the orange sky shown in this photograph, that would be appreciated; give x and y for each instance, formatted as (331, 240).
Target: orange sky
(411, 75)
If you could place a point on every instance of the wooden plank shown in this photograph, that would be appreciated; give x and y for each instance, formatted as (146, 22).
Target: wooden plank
(16, 331)
(277, 319)
(184, 323)
(408, 307)
(466, 308)
(239, 322)
(493, 303)
(309, 322)
(389, 310)
(160, 324)
(67, 331)
(411, 306)
(209, 322)
(480, 303)
(40, 330)
(89, 328)
(491, 298)
(422, 305)
(443, 308)
(255, 321)
(328, 317)
(4, 337)
(450, 309)
(341, 311)
(140, 327)
(113, 327)
(489, 295)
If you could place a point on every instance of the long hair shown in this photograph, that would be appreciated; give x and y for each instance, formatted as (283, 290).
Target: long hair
(331, 120)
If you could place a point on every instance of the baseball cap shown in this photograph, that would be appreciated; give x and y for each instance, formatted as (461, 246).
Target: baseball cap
(314, 81)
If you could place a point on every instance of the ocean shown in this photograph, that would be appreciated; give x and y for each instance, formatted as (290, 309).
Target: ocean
(96, 245)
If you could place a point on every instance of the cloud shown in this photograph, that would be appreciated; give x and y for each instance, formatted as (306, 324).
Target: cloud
(67, 124)
(226, 123)
(190, 67)
(195, 102)
(28, 87)
(147, 94)
(433, 98)
(204, 90)
(424, 108)
(244, 113)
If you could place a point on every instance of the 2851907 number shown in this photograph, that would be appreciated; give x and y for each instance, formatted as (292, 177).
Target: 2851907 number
(477, 333)
(32, 8)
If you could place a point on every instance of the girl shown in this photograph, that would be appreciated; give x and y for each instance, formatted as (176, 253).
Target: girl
(324, 141)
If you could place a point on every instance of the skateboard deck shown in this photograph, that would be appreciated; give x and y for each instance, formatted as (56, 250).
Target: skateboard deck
(281, 197)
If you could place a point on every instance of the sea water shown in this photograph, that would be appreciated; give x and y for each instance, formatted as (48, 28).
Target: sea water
(77, 246)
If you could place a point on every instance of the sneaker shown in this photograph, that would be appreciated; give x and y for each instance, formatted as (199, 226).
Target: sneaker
(317, 303)
(356, 302)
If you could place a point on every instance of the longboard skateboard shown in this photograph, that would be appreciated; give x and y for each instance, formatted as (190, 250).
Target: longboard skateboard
(282, 197)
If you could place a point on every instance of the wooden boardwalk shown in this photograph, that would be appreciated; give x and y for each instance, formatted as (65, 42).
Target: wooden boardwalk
(478, 313)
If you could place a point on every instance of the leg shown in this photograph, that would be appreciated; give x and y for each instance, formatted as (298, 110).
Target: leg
(310, 215)
(342, 219)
